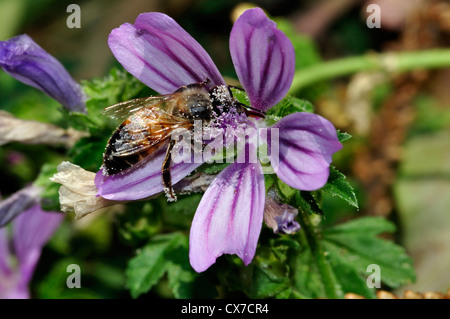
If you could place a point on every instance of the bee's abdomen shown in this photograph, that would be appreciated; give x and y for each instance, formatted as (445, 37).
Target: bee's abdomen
(115, 164)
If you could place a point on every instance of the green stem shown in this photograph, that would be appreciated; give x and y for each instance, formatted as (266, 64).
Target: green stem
(332, 287)
(385, 62)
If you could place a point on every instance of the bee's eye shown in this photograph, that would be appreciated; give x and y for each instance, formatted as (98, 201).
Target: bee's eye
(200, 111)
(200, 108)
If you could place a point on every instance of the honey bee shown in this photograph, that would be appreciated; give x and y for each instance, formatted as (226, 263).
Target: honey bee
(151, 120)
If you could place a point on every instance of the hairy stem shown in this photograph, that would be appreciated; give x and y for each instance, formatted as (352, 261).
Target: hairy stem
(389, 62)
(332, 287)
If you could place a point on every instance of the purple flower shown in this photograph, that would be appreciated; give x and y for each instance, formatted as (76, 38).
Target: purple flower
(229, 217)
(27, 62)
(18, 202)
(278, 216)
(20, 249)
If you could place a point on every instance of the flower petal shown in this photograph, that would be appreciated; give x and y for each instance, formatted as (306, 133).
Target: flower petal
(31, 231)
(161, 54)
(18, 203)
(5, 254)
(143, 180)
(280, 217)
(78, 192)
(26, 61)
(307, 143)
(229, 217)
(16, 292)
(15, 130)
(263, 57)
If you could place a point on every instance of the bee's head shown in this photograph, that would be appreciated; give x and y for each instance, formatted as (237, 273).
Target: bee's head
(222, 99)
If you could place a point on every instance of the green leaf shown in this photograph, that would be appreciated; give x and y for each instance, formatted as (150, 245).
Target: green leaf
(181, 279)
(268, 274)
(118, 86)
(240, 95)
(50, 190)
(285, 190)
(180, 274)
(81, 121)
(343, 136)
(370, 226)
(166, 254)
(338, 185)
(88, 152)
(335, 261)
(289, 105)
(150, 264)
(351, 280)
(283, 247)
(294, 104)
(307, 279)
(355, 246)
(267, 280)
(308, 203)
(269, 180)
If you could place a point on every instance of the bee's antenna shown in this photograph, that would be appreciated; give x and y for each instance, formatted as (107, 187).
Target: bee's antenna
(251, 111)
(236, 87)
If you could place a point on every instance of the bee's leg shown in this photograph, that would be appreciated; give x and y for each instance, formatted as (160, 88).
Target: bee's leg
(167, 179)
(235, 87)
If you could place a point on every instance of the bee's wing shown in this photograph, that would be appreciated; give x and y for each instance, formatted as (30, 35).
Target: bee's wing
(147, 128)
(125, 109)
(138, 141)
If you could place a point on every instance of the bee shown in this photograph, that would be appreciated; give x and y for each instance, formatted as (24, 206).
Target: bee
(151, 120)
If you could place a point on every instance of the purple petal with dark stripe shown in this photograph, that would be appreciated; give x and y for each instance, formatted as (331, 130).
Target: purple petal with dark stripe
(17, 203)
(263, 57)
(142, 180)
(229, 217)
(31, 231)
(161, 54)
(306, 144)
(26, 61)
(11, 285)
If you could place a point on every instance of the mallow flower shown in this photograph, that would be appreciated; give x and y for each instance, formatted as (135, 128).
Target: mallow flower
(21, 246)
(18, 202)
(27, 62)
(161, 54)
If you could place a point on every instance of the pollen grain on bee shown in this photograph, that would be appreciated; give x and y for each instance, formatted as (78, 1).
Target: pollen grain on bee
(241, 144)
